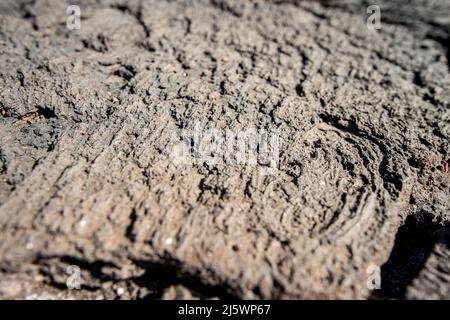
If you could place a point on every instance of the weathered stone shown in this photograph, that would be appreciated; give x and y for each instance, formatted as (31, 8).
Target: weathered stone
(88, 119)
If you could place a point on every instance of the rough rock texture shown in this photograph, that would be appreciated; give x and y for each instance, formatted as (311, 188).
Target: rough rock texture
(87, 124)
(434, 281)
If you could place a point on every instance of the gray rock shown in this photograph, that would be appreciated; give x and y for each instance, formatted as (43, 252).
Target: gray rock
(88, 119)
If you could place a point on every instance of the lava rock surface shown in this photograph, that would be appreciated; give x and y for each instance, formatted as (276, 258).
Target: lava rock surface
(87, 124)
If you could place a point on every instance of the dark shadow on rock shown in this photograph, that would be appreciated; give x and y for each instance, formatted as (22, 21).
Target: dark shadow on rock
(414, 242)
(160, 276)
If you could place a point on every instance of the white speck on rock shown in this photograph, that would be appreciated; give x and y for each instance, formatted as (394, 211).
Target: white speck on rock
(120, 291)
(82, 223)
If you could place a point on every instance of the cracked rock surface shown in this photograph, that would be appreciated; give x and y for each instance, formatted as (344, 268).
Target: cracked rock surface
(87, 124)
